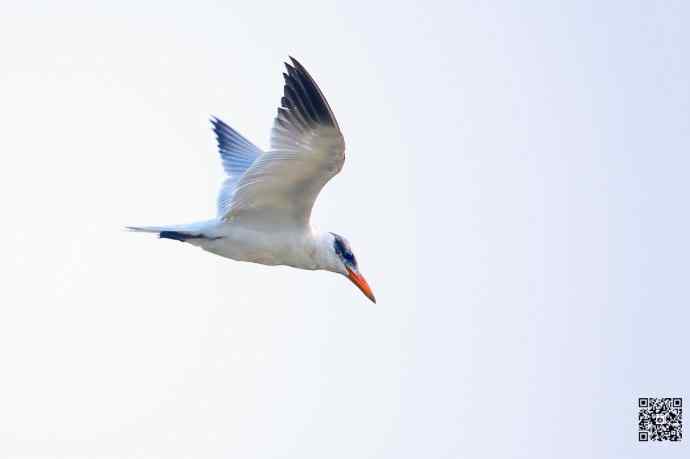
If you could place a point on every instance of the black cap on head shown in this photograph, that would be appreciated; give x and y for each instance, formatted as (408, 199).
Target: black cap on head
(342, 249)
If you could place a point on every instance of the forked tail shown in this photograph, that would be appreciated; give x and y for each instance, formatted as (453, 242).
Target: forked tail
(181, 233)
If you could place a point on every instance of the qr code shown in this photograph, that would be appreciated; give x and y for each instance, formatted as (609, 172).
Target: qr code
(660, 419)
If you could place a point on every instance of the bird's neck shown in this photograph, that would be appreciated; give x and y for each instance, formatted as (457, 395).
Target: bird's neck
(323, 254)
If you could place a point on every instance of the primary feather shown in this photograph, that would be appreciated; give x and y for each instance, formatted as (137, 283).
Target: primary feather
(237, 154)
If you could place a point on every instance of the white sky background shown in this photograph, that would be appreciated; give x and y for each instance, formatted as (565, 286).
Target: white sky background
(515, 191)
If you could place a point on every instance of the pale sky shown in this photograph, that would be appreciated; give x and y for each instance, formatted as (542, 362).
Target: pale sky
(515, 192)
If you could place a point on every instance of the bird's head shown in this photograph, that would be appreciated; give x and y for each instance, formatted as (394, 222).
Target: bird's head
(346, 264)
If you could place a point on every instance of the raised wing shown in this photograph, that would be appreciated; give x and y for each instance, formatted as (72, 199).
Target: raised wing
(237, 154)
(307, 150)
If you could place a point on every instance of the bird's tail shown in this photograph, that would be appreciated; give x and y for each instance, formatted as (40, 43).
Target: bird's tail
(182, 233)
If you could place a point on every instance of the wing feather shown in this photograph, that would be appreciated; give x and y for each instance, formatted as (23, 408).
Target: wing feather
(307, 150)
(237, 154)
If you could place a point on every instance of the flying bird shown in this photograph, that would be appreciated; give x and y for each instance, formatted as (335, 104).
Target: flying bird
(264, 205)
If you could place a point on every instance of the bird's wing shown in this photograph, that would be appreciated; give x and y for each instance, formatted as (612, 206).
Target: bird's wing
(237, 154)
(307, 150)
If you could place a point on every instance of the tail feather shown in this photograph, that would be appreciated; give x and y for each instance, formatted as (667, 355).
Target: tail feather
(180, 233)
(147, 229)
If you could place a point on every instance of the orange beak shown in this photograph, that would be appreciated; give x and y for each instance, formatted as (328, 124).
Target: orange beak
(361, 283)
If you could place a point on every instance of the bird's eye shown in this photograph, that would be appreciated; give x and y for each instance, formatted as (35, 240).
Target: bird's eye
(342, 249)
(349, 256)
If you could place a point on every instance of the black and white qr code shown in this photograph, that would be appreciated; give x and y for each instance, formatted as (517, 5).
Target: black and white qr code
(660, 419)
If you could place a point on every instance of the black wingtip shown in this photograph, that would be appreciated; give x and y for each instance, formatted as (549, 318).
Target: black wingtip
(216, 124)
(300, 68)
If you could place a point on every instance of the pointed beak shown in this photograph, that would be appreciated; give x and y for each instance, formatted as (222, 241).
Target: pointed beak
(361, 283)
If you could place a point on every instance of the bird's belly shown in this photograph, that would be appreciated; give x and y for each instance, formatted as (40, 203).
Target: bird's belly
(266, 249)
